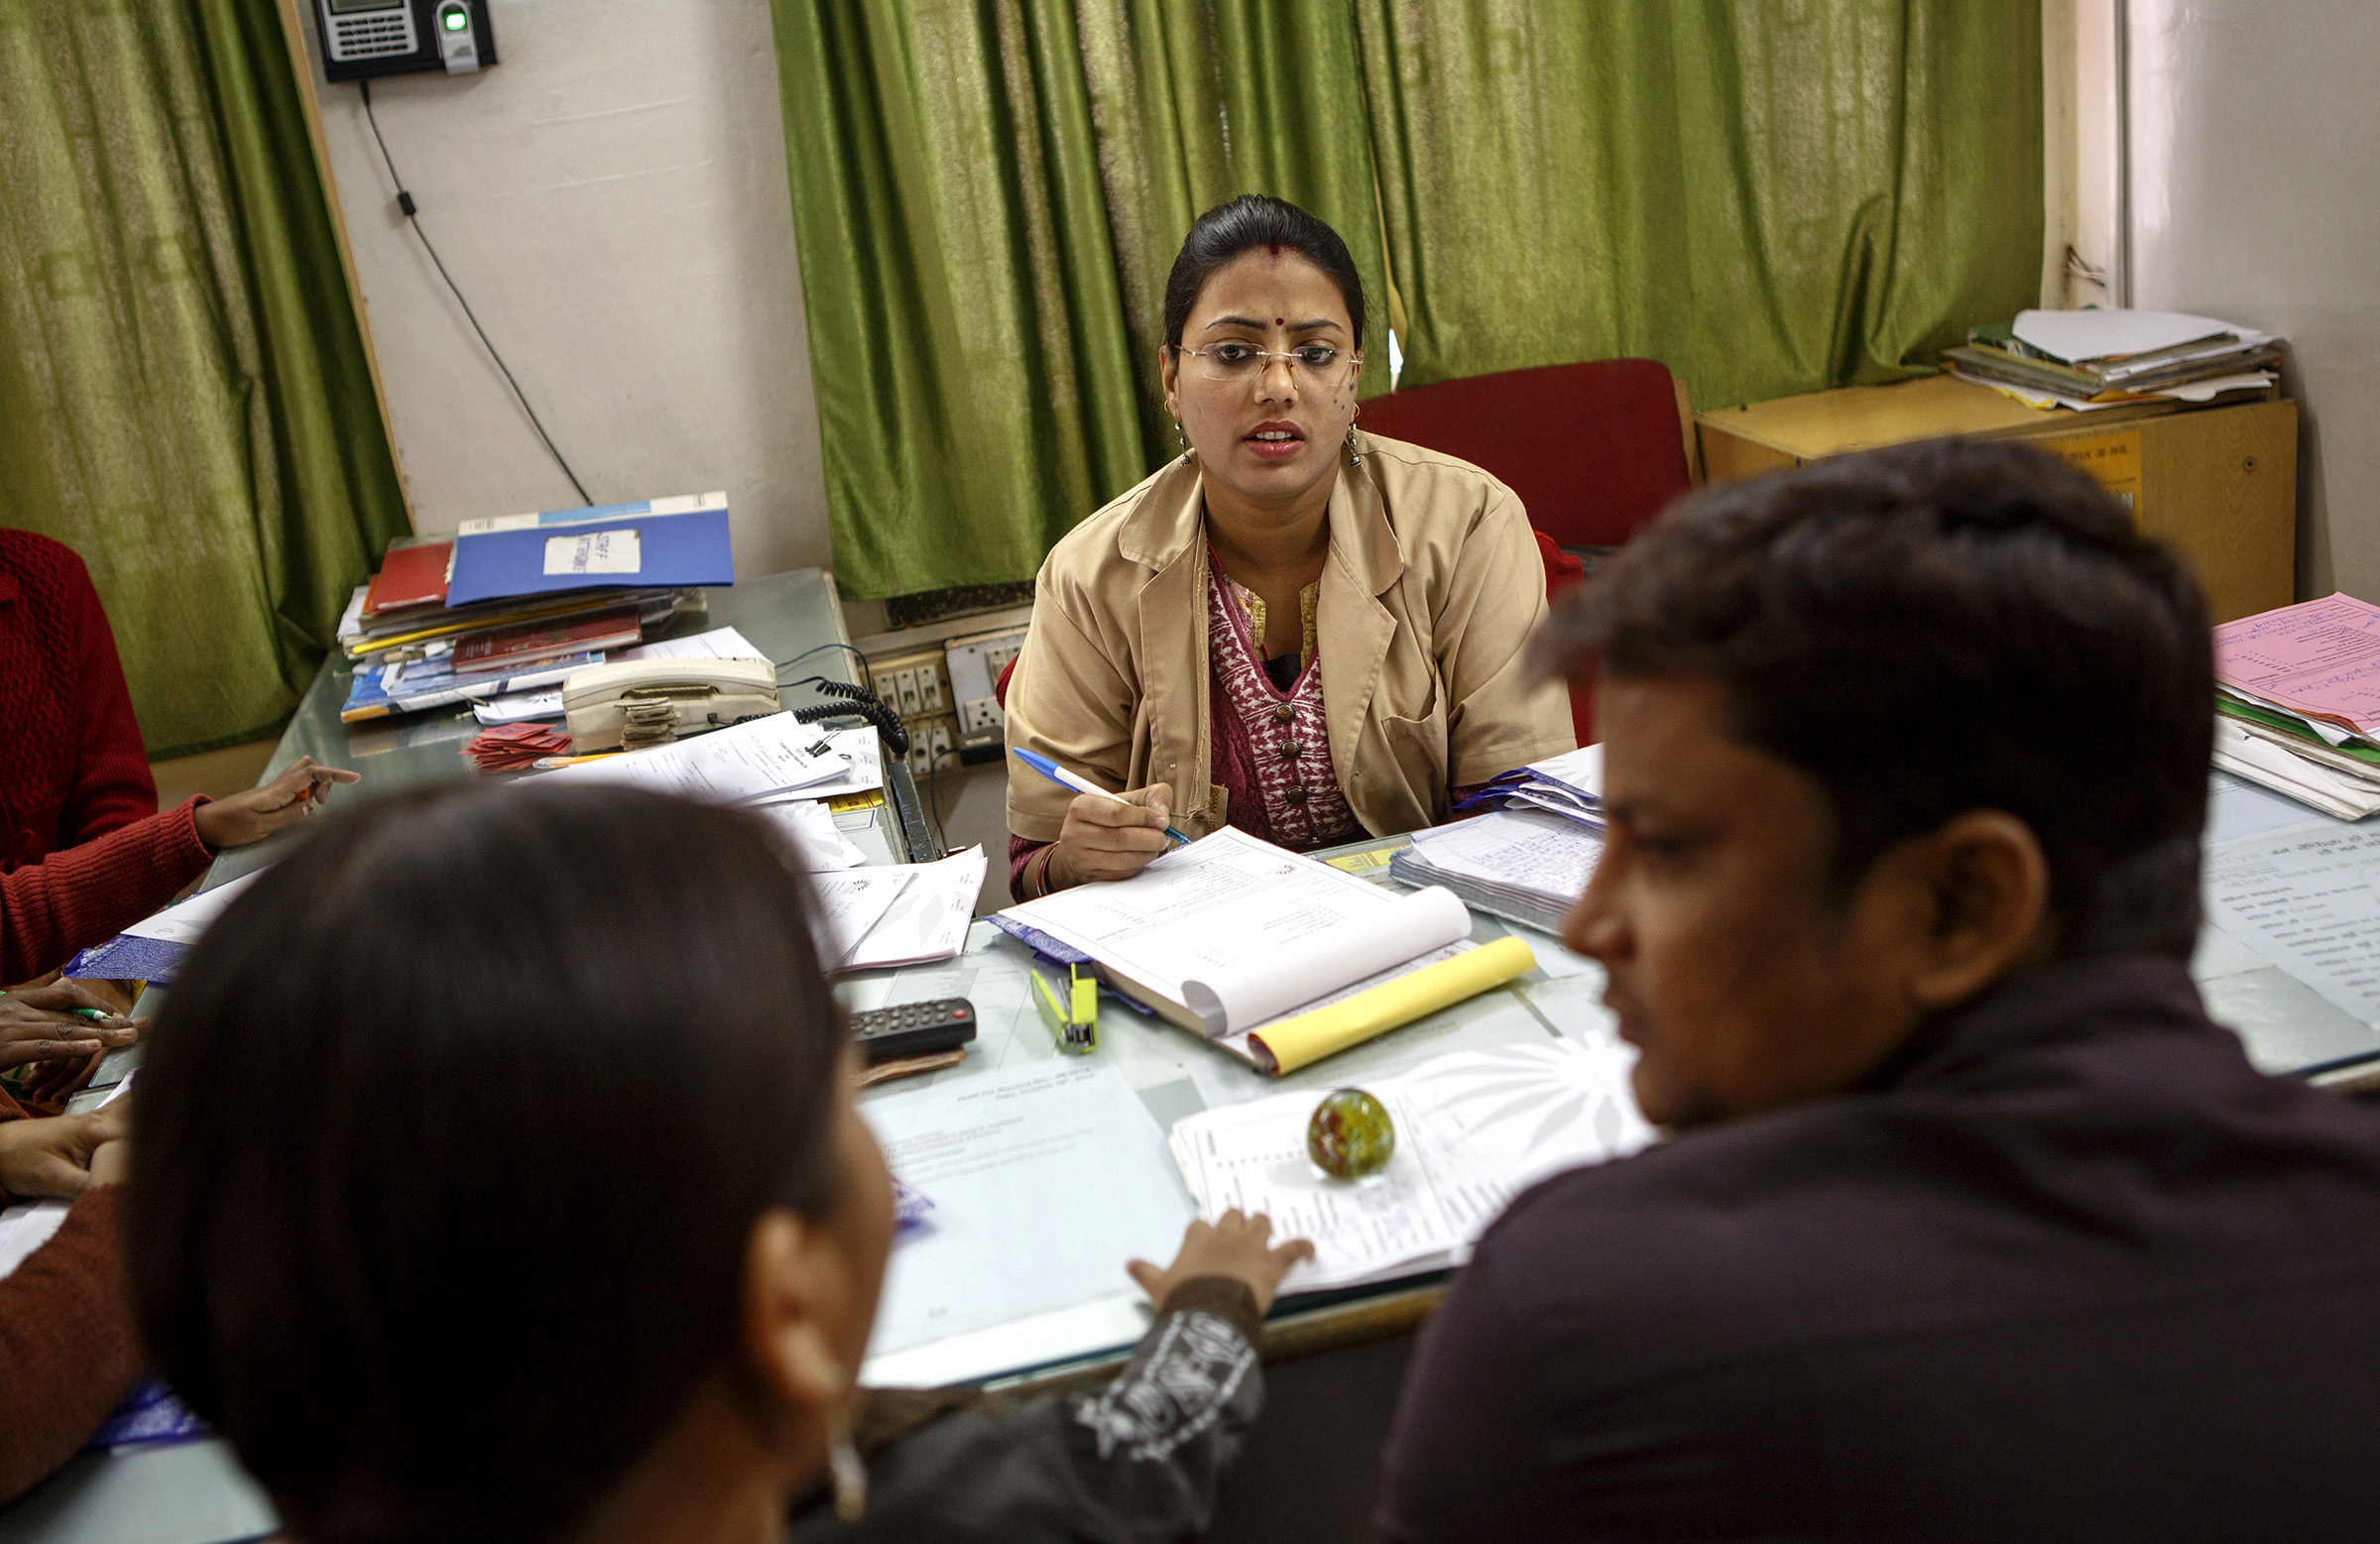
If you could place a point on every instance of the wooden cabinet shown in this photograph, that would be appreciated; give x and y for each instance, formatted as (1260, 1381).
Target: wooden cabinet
(2219, 482)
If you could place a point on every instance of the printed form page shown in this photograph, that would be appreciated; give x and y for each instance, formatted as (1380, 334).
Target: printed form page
(1210, 906)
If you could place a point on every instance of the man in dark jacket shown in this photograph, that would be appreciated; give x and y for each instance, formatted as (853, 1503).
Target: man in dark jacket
(1972, 1225)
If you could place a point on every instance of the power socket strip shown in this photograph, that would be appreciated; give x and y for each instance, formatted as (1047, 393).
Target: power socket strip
(975, 664)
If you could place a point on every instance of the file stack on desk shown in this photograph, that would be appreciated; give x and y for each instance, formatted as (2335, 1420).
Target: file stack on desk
(1473, 1130)
(1529, 866)
(2097, 358)
(2298, 703)
(517, 602)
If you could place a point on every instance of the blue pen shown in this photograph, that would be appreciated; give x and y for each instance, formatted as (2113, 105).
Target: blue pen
(1064, 778)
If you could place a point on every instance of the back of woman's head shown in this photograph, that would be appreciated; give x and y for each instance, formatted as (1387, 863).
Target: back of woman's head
(451, 1138)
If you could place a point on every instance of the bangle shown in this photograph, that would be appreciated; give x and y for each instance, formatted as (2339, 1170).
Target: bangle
(1048, 855)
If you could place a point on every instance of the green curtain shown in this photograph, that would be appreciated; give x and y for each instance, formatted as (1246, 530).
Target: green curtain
(185, 398)
(1768, 199)
(987, 196)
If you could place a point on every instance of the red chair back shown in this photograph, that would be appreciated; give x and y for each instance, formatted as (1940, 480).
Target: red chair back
(1595, 450)
(1562, 570)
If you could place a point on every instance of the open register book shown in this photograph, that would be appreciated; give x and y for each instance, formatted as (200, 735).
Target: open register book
(1277, 959)
(1473, 1130)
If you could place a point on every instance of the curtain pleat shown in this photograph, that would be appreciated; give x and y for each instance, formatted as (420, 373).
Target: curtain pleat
(1768, 199)
(185, 398)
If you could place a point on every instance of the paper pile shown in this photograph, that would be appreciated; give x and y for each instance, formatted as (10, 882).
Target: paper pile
(1527, 865)
(2097, 358)
(898, 913)
(2298, 703)
(1473, 1130)
(522, 600)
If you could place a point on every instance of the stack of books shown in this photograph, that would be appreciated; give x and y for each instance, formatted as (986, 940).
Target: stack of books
(2298, 703)
(518, 602)
(2099, 358)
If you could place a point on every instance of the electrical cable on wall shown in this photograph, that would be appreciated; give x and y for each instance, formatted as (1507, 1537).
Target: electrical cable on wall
(404, 202)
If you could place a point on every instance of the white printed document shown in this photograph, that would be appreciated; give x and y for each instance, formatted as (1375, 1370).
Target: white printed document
(1473, 1130)
(748, 760)
(1233, 930)
(1044, 1180)
(927, 919)
(862, 754)
(2308, 898)
(820, 846)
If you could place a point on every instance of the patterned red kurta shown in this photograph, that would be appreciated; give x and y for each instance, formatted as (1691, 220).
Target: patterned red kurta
(1277, 766)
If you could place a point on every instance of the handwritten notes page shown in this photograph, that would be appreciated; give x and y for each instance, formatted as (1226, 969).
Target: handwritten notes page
(1473, 1130)
(2319, 657)
(2308, 898)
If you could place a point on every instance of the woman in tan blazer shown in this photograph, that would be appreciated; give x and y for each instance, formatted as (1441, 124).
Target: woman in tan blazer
(1294, 626)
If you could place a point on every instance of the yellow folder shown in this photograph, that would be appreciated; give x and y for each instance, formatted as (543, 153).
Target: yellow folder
(1309, 1037)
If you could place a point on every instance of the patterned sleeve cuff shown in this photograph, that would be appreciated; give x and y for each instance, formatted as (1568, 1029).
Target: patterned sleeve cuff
(1223, 1296)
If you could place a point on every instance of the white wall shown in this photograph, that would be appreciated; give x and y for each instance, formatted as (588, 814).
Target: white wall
(612, 199)
(2254, 133)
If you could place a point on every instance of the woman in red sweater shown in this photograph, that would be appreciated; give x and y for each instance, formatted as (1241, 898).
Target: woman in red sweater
(71, 765)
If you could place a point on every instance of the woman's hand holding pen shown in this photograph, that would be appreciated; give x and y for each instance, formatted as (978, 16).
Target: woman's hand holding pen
(261, 811)
(1104, 839)
(62, 1020)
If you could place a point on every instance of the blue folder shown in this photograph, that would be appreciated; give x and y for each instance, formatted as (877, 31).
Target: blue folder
(682, 543)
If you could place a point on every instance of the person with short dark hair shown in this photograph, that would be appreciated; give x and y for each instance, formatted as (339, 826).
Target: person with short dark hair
(1971, 1225)
(1293, 627)
(498, 1176)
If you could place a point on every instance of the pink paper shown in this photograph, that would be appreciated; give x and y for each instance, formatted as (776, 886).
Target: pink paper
(2319, 658)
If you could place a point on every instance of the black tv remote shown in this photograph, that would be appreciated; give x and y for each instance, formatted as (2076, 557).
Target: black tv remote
(913, 1029)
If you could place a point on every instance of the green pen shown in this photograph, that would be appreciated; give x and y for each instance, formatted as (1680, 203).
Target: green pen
(95, 1016)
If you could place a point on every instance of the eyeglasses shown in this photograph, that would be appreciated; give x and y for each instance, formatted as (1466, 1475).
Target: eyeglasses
(1237, 361)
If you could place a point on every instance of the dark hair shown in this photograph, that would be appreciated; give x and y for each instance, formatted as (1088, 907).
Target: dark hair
(452, 1136)
(1248, 222)
(1937, 628)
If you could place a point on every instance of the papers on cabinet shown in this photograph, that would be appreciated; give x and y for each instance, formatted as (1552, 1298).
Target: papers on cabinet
(1473, 1130)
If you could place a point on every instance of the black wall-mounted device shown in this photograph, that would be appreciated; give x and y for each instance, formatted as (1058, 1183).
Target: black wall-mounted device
(361, 38)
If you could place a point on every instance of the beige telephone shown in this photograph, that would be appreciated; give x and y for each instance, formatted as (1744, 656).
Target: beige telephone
(641, 702)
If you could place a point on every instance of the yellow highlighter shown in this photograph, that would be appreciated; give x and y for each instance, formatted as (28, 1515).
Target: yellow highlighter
(1309, 1037)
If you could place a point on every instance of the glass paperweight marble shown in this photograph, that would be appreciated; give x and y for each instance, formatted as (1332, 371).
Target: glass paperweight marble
(1351, 1136)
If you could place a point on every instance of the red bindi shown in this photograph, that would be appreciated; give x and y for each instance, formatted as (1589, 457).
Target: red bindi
(1278, 321)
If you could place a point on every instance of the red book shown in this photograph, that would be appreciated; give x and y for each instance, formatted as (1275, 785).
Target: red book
(409, 576)
(524, 642)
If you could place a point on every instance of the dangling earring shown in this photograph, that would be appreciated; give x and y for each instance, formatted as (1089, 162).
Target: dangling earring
(1355, 457)
(1189, 453)
(844, 1468)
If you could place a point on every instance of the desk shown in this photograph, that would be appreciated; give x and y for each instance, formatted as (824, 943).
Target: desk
(1334, 1359)
(195, 1493)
